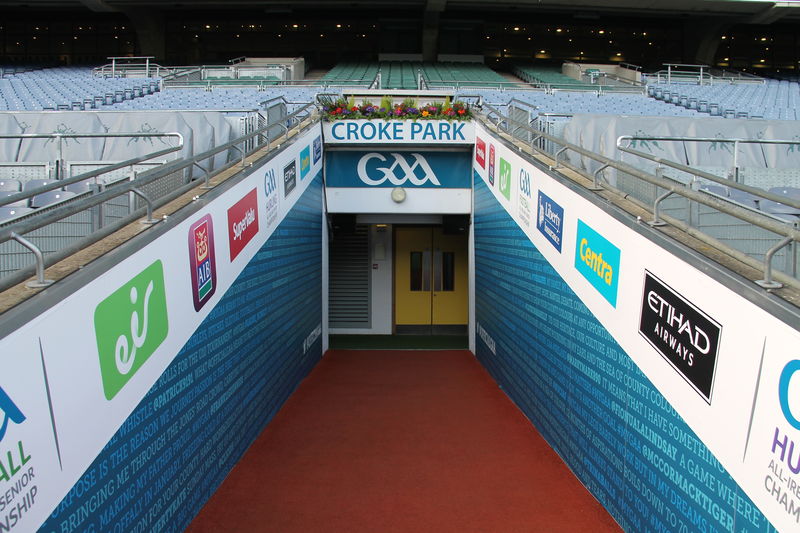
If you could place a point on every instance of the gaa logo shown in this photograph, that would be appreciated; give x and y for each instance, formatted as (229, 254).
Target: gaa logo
(418, 172)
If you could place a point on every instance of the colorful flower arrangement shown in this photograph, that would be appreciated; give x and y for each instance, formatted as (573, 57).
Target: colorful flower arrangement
(343, 109)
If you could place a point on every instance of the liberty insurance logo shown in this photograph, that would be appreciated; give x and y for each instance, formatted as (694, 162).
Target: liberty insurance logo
(414, 169)
(130, 324)
(203, 261)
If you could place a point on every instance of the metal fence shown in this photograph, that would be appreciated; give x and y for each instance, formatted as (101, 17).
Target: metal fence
(760, 240)
(31, 243)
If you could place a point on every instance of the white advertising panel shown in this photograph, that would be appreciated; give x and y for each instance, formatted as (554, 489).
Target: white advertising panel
(81, 367)
(728, 367)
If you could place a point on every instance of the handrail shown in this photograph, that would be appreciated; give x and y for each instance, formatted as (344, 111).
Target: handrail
(757, 219)
(706, 175)
(29, 224)
(57, 184)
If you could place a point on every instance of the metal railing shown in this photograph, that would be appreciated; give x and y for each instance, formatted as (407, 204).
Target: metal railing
(786, 233)
(21, 229)
(59, 137)
(128, 67)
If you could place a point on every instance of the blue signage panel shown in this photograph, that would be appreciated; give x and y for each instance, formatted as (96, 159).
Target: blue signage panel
(445, 170)
(550, 220)
(598, 261)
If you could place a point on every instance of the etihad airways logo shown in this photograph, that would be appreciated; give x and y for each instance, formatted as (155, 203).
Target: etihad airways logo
(399, 169)
(684, 335)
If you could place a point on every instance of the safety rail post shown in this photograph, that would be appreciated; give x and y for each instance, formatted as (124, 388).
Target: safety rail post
(558, 154)
(206, 173)
(768, 282)
(149, 202)
(657, 210)
(40, 279)
(595, 180)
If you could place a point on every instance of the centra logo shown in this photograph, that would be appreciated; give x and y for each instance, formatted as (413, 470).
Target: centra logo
(11, 413)
(130, 325)
(598, 261)
(399, 171)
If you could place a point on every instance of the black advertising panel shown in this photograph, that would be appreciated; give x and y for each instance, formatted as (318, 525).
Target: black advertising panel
(682, 333)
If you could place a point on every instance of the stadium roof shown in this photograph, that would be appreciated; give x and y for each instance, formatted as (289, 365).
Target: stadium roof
(756, 11)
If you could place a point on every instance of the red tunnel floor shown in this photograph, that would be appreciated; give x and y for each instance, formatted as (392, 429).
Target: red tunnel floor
(401, 441)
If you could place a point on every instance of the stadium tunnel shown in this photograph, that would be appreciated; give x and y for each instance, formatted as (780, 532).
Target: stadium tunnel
(622, 347)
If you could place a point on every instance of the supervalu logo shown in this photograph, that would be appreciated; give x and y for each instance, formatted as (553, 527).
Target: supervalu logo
(130, 324)
(598, 261)
(480, 152)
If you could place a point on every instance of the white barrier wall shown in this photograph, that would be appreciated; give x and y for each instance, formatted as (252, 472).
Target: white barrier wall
(611, 343)
(134, 395)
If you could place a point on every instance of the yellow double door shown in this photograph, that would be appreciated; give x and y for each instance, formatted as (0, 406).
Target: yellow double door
(430, 277)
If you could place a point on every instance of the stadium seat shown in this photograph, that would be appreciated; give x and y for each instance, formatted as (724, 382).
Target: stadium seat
(50, 197)
(7, 213)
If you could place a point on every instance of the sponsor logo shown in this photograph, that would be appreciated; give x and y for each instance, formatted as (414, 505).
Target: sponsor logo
(270, 190)
(598, 261)
(400, 171)
(289, 178)
(681, 332)
(242, 222)
(524, 204)
(789, 394)
(524, 182)
(504, 179)
(317, 149)
(129, 326)
(480, 152)
(305, 161)
(11, 413)
(491, 164)
(550, 220)
(202, 261)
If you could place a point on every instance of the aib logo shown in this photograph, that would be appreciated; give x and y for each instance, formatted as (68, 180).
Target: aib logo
(398, 172)
(129, 326)
(202, 260)
(10, 411)
(787, 392)
(504, 180)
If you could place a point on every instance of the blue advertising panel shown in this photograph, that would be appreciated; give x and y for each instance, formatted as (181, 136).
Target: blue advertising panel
(446, 170)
